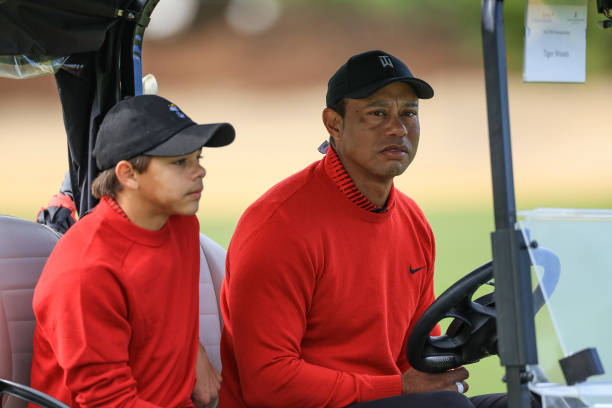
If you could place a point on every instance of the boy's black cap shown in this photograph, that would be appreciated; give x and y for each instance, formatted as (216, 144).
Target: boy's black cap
(365, 73)
(153, 126)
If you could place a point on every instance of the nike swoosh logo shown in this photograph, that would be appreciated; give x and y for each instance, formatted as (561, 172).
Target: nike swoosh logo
(415, 270)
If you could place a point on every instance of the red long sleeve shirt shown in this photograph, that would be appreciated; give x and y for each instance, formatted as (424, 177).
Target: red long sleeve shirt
(117, 313)
(320, 294)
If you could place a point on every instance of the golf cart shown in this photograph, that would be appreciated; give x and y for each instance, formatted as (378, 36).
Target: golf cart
(560, 247)
(104, 65)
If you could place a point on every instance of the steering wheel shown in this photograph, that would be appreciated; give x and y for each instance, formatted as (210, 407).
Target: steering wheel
(472, 334)
(26, 393)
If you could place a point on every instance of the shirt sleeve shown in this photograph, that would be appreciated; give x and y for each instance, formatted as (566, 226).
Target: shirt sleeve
(85, 322)
(272, 279)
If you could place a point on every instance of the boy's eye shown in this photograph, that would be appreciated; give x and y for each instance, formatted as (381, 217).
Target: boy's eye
(180, 162)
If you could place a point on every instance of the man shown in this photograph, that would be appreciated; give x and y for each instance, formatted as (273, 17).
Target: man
(117, 302)
(328, 272)
(319, 298)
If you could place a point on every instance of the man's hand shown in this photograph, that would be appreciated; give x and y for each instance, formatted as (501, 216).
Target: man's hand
(208, 381)
(414, 381)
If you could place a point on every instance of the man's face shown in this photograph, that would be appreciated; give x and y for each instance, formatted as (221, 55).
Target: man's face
(379, 135)
(172, 185)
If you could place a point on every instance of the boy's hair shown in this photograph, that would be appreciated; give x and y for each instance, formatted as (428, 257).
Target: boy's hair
(107, 183)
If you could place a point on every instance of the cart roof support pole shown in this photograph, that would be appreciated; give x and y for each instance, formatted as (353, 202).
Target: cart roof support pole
(514, 305)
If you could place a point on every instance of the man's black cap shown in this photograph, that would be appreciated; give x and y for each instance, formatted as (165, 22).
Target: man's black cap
(365, 73)
(153, 126)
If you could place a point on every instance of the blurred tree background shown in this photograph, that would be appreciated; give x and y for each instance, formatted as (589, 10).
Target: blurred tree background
(460, 21)
(289, 43)
(455, 24)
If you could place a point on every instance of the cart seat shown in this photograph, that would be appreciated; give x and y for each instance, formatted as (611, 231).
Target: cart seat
(24, 248)
(212, 272)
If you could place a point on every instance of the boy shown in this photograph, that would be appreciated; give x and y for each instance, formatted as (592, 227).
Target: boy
(117, 302)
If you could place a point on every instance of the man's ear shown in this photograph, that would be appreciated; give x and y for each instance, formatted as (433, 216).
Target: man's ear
(333, 123)
(126, 175)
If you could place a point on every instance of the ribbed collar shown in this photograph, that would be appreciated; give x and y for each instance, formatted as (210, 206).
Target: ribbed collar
(338, 174)
(115, 206)
(116, 218)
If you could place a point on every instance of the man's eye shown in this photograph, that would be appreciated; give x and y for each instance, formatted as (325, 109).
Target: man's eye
(377, 113)
(410, 113)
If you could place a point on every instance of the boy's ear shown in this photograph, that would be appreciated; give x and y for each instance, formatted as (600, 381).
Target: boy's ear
(333, 123)
(126, 175)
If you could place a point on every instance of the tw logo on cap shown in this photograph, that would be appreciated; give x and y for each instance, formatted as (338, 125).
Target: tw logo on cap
(173, 108)
(385, 60)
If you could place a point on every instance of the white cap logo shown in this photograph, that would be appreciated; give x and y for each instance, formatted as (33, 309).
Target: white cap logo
(175, 109)
(385, 60)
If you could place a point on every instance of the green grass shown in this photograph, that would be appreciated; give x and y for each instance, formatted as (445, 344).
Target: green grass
(462, 244)
(219, 230)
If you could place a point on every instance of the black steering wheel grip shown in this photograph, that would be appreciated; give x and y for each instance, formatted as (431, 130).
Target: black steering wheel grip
(472, 334)
(29, 394)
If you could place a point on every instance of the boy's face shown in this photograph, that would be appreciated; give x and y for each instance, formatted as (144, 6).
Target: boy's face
(172, 185)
